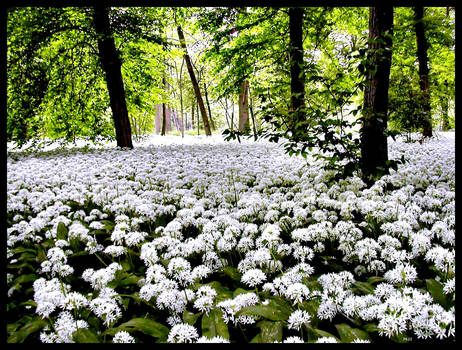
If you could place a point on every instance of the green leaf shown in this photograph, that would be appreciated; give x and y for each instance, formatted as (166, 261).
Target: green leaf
(364, 287)
(213, 325)
(31, 327)
(275, 310)
(320, 333)
(270, 331)
(191, 318)
(143, 325)
(61, 231)
(435, 289)
(348, 334)
(232, 272)
(25, 278)
(83, 335)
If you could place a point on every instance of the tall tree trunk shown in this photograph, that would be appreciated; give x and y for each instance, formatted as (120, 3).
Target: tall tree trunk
(373, 144)
(422, 46)
(192, 113)
(181, 99)
(297, 75)
(212, 123)
(194, 82)
(198, 122)
(251, 113)
(232, 114)
(244, 107)
(164, 111)
(445, 108)
(111, 64)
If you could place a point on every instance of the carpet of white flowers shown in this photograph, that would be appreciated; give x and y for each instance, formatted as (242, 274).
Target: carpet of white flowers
(202, 240)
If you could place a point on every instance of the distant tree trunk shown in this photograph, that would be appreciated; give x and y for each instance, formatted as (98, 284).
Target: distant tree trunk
(111, 64)
(251, 113)
(198, 122)
(181, 99)
(194, 82)
(232, 114)
(208, 107)
(192, 113)
(164, 111)
(445, 108)
(422, 46)
(244, 107)
(297, 76)
(373, 144)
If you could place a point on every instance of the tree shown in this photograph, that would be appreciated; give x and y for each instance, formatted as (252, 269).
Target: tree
(424, 82)
(374, 147)
(297, 75)
(194, 82)
(244, 107)
(111, 64)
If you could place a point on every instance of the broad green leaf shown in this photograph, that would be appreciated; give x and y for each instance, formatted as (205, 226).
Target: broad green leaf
(275, 310)
(320, 333)
(270, 331)
(364, 287)
(143, 325)
(31, 327)
(435, 289)
(25, 278)
(257, 339)
(213, 325)
(232, 272)
(61, 231)
(348, 334)
(83, 335)
(191, 318)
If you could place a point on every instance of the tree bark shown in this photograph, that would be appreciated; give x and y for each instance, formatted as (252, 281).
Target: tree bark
(251, 113)
(164, 111)
(422, 46)
(297, 76)
(194, 82)
(373, 142)
(445, 108)
(111, 64)
(212, 123)
(244, 107)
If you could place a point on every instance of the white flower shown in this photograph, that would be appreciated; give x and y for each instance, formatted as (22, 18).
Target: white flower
(123, 337)
(402, 273)
(182, 333)
(298, 318)
(253, 277)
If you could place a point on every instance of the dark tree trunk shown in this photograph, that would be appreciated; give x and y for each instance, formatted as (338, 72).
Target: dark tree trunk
(192, 114)
(194, 82)
(111, 64)
(445, 108)
(164, 112)
(374, 147)
(244, 107)
(422, 46)
(297, 76)
(208, 107)
(251, 113)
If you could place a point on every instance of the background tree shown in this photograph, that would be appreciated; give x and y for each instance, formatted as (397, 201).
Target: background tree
(374, 146)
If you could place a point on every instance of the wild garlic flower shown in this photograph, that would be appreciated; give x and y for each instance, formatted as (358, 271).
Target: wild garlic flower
(182, 333)
(123, 337)
(253, 277)
(298, 318)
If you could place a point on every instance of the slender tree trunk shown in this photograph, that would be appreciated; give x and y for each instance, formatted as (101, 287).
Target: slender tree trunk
(198, 122)
(244, 107)
(297, 75)
(192, 113)
(164, 111)
(373, 144)
(232, 114)
(251, 113)
(212, 123)
(181, 99)
(445, 108)
(194, 82)
(422, 46)
(111, 64)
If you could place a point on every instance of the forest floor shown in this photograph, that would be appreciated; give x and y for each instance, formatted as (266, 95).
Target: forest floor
(213, 239)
